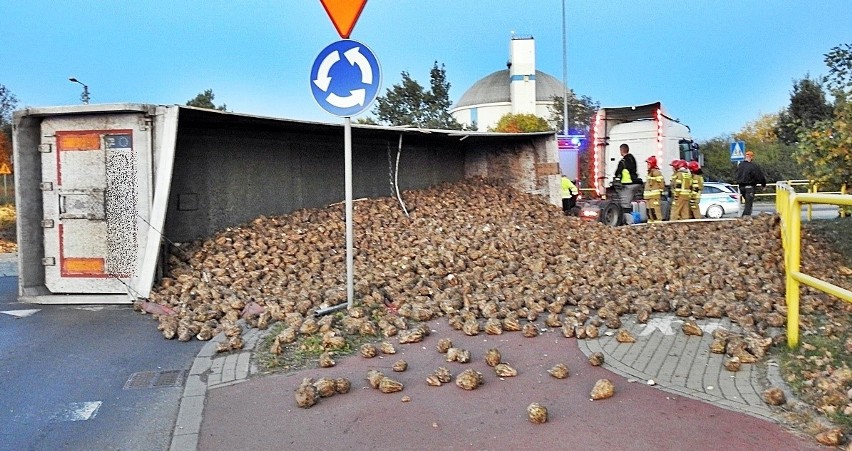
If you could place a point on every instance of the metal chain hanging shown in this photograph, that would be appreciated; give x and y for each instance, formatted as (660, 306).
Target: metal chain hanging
(393, 175)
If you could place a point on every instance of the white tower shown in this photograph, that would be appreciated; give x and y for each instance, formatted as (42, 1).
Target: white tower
(522, 74)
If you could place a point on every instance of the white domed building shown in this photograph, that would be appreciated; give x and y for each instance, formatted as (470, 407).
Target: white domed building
(520, 89)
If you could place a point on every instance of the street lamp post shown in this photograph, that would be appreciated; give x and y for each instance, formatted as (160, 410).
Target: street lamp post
(564, 73)
(85, 96)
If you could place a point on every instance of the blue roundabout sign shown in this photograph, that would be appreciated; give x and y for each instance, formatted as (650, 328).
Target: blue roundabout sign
(345, 78)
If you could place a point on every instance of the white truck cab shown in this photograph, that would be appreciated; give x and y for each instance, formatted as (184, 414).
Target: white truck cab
(648, 131)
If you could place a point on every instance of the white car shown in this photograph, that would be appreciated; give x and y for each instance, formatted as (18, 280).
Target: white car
(719, 199)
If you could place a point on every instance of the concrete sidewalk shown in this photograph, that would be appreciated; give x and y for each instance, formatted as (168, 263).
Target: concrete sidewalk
(695, 402)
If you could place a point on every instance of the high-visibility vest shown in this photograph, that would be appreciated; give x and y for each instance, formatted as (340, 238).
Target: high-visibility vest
(568, 188)
(625, 177)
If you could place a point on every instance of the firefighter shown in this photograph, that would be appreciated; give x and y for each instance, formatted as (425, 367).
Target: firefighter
(654, 186)
(681, 190)
(697, 187)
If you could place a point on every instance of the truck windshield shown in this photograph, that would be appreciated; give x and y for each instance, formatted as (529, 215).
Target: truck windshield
(689, 151)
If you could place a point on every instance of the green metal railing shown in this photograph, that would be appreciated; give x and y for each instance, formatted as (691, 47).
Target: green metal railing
(788, 203)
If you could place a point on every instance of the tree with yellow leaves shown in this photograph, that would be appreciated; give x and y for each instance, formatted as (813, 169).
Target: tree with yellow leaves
(825, 149)
(8, 101)
(774, 156)
(5, 150)
(521, 123)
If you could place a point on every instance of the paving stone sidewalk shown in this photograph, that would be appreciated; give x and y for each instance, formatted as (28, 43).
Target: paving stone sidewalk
(677, 363)
(682, 364)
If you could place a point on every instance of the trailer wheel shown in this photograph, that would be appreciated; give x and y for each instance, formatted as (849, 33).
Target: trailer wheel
(611, 214)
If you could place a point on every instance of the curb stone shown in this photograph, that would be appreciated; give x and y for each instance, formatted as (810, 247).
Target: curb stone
(794, 405)
(210, 370)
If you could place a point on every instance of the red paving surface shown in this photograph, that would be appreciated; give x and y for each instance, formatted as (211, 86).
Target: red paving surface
(262, 414)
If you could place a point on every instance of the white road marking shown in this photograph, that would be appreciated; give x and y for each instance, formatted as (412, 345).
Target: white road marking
(711, 327)
(664, 324)
(78, 411)
(91, 309)
(20, 313)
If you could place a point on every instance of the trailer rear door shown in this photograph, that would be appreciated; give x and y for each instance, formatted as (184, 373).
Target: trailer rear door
(92, 182)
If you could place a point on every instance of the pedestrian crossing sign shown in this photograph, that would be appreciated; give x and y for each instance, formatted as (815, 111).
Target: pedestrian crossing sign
(738, 151)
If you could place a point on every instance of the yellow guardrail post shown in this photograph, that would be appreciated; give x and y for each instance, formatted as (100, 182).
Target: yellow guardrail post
(791, 227)
(841, 209)
(778, 198)
(810, 207)
(793, 261)
(782, 196)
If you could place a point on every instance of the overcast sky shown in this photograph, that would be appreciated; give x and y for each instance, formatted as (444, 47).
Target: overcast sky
(715, 65)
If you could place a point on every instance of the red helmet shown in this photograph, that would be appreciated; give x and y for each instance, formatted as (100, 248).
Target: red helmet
(693, 166)
(652, 162)
(678, 164)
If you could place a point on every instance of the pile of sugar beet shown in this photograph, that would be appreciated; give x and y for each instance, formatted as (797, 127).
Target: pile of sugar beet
(490, 259)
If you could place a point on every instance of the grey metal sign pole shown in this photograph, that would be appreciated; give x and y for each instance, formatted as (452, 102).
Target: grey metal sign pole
(359, 76)
(350, 260)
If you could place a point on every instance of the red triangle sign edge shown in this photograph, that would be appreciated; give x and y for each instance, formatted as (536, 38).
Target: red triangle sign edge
(344, 30)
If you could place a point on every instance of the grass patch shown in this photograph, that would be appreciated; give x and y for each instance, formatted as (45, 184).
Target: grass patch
(304, 352)
(812, 372)
(7, 214)
(8, 217)
(818, 371)
(837, 232)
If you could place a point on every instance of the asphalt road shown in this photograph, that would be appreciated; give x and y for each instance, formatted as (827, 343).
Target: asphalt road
(817, 212)
(63, 371)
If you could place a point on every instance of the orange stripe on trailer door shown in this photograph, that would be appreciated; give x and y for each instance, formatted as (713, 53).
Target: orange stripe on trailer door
(83, 266)
(78, 141)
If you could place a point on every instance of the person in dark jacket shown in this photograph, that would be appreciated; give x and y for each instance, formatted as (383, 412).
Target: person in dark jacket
(630, 183)
(626, 170)
(749, 175)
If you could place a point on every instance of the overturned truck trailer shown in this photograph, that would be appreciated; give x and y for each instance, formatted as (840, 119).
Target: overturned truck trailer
(100, 188)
